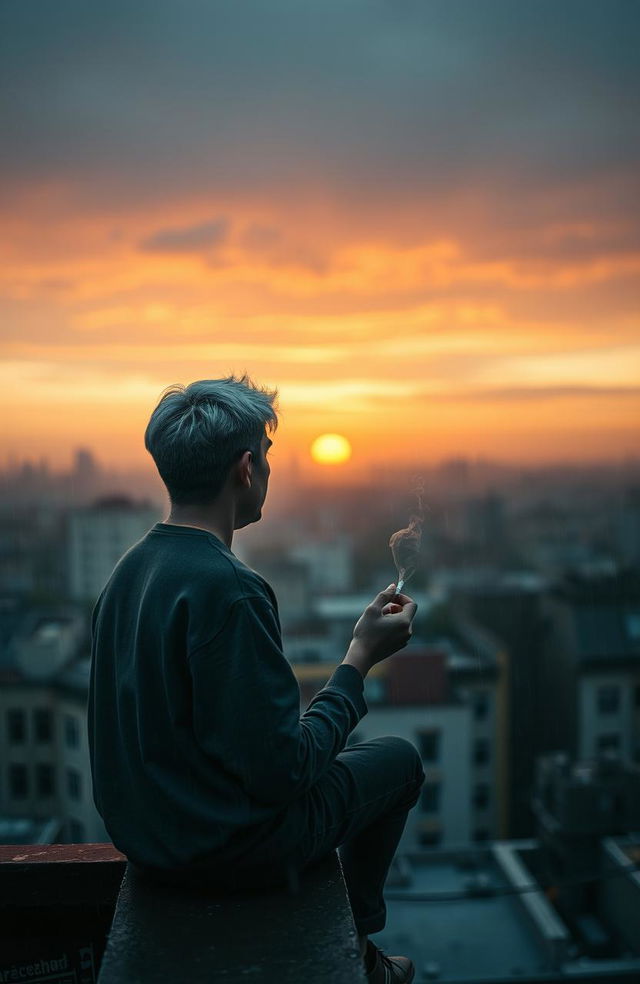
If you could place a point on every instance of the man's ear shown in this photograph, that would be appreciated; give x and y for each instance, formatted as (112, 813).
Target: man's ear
(245, 469)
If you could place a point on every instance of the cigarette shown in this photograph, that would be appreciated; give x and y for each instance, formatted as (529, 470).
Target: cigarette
(400, 586)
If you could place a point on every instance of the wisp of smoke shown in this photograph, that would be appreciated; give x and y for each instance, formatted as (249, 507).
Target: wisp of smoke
(405, 544)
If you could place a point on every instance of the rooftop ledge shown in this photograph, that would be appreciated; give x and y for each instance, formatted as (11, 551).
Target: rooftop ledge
(79, 912)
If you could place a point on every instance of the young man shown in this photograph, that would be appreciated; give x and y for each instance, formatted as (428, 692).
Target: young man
(203, 768)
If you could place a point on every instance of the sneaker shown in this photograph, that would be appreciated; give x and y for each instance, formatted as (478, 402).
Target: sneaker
(388, 970)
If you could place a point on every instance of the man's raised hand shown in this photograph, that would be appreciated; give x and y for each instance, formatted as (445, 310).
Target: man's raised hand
(383, 628)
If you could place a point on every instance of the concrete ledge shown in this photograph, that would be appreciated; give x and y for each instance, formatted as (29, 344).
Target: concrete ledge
(162, 933)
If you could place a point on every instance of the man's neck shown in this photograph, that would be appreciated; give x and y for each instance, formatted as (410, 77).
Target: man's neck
(212, 522)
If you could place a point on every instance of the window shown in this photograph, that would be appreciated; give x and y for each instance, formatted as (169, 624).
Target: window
(18, 781)
(609, 742)
(42, 724)
(16, 726)
(71, 731)
(430, 797)
(44, 779)
(481, 795)
(76, 832)
(429, 838)
(480, 751)
(480, 706)
(74, 780)
(608, 700)
(429, 745)
(633, 625)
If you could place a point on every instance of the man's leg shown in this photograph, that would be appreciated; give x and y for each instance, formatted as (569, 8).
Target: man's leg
(360, 806)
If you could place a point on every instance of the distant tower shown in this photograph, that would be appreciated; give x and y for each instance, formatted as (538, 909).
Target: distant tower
(98, 536)
(486, 521)
(456, 471)
(85, 466)
(628, 528)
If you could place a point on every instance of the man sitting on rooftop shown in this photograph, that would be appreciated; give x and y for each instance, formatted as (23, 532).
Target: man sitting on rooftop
(204, 770)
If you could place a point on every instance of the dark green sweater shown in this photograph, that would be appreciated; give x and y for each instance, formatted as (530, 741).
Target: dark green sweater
(195, 730)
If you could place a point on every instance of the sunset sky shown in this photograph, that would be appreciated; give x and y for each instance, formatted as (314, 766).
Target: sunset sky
(418, 219)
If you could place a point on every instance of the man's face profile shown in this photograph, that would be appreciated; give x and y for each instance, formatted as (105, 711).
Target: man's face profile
(256, 494)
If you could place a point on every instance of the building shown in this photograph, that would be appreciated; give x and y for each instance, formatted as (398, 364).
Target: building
(561, 906)
(512, 607)
(627, 528)
(486, 526)
(591, 667)
(576, 805)
(44, 752)
(98, 536)
(290, 581)
(480, 916)
(330, 563)
(309, 640)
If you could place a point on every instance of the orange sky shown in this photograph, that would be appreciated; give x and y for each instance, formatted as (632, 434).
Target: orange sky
(421, 313)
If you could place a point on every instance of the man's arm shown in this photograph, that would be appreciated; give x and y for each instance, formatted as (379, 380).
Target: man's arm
(246, 705)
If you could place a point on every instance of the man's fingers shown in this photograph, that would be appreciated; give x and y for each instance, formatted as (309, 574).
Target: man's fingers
(384, 597)
(389, 596)
(409, 606)
(390, 603)
(410, 609)
(402, 599)
(391, 608)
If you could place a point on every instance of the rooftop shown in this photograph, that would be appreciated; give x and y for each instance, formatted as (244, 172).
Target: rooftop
(479, 916)
(470, 937)
(607, 631)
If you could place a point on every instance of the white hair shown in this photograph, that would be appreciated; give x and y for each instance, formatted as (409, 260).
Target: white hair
(196, 432)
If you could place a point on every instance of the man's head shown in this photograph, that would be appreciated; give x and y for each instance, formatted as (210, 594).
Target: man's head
(198, 433)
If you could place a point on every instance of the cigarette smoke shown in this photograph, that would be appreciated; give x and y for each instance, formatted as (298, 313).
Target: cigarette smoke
(405, 544)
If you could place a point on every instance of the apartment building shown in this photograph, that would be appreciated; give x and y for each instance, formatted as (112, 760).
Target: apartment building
(44, 753)
(591, 664)
(98, 536)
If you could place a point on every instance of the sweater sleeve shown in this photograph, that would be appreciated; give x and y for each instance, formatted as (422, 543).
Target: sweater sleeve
(246, 707)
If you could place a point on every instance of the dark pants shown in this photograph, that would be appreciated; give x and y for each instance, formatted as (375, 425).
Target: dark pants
(360, 807)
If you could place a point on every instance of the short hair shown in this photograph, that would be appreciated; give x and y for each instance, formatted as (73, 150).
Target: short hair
(196, 432)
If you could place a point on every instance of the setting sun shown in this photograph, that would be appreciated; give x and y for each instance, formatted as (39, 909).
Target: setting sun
(330, 449)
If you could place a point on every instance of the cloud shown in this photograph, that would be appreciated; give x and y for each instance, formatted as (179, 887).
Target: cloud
(518, 394)
(261, 237)
(367, 101)
(188, 239)
(416, 203)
